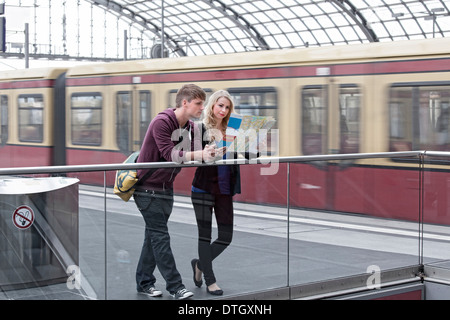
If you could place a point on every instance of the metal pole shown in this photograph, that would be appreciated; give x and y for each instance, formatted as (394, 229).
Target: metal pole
(125, 45)
(434, 24)
(27, 47)
(162, 29)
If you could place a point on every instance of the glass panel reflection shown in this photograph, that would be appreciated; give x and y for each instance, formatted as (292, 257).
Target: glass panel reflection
(436, 211)
(350, 218)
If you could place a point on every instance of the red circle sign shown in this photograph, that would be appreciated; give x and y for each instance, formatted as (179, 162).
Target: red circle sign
(23, 217)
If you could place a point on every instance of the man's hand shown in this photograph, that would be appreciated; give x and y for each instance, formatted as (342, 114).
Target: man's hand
(210, 153)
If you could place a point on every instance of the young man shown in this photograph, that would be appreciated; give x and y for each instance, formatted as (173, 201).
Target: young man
(154, 192)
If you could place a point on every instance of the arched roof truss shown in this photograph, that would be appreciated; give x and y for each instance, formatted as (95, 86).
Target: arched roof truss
(204, 27)
(221, 26)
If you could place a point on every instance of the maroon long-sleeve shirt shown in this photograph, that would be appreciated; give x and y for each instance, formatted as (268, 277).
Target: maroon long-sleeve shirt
(162, 143)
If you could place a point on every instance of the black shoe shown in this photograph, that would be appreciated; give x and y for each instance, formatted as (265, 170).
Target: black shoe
(194, 264)
(217, 292)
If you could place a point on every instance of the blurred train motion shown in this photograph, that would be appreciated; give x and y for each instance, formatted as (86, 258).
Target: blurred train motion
(366, 98)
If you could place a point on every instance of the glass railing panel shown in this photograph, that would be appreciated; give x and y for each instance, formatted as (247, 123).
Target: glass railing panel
(257, 259)
(93, 236)
(125, 235)
(44, 239)
(436, 210)
(352, 217)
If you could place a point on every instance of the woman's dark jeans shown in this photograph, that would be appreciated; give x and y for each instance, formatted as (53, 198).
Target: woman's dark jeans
(204, 203)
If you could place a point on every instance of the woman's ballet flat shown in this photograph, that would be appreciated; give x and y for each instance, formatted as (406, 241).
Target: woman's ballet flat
(194, 264)
(217, 292)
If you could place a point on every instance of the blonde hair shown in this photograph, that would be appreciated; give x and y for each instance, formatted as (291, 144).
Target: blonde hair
(209, 120)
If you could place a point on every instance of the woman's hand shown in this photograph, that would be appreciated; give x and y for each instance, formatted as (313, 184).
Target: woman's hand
(219, 152)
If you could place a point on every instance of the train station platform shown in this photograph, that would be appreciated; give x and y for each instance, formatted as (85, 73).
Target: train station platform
(257, 264)
(277, 253)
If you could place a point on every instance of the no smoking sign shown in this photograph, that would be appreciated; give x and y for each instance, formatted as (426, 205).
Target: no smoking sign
(23, 217)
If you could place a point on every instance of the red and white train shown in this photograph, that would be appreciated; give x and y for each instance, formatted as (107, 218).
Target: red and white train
(376, 97)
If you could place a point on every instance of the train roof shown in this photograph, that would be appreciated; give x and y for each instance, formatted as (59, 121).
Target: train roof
(34, 73)
(331, 54)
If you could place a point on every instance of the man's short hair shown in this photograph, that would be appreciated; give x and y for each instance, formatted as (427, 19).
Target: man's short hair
(189, 92)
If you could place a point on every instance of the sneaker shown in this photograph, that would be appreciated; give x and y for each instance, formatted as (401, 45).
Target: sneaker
(182, 294)
(151, 292)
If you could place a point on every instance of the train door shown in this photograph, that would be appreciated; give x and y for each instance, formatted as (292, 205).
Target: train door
(330, 119)
(3, 120)
(5, 157)
(133, 114)
(330, 124)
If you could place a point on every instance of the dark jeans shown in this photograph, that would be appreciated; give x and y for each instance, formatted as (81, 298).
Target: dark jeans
(223, 209)
(156, 207)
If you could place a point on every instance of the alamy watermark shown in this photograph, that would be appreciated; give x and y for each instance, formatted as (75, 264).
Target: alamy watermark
(74, 277)
(374, 280)
(262, 145)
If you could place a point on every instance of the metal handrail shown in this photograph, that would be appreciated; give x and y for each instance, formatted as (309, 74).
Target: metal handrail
(436, 153)
(261, 160)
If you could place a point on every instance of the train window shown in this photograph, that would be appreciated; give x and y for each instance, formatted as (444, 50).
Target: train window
(124, 125)
(145, 114)
(349, 109)
(255, 101)
(419, 117)
(86, 114)
(314, 119)
(259, 101)
(172, 99)
(3, 119)
(31, 117)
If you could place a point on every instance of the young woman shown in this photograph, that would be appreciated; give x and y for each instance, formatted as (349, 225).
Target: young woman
(213, 187)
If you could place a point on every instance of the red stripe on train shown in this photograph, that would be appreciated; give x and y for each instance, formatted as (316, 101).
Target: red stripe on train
(436, 65)
(27, 84)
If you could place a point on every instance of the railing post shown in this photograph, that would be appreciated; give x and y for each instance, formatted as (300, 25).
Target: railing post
(106, 235)
(421, 204)
(288, 222)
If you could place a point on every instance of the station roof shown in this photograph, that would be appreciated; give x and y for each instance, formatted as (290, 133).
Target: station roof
(204, 27)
